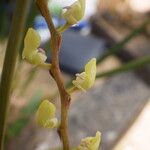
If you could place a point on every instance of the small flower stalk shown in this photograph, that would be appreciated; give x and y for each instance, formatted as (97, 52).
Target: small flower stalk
(45, 116)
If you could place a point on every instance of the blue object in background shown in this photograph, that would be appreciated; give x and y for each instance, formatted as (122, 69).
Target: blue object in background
(78, 46)
(40, 23)
(77, 50)
(81, 25)
(41, 26)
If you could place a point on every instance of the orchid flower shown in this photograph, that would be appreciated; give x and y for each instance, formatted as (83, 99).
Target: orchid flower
(31, 53)
(75, 12)
(85, 80)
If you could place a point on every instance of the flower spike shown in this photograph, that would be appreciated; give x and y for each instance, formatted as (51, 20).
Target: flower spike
(85, 80)
(90, 143)
(30, 52)
(45, 116)
(75, 12)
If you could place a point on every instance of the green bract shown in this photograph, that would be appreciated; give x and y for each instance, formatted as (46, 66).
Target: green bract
(75, 12)
(30, 52)
(85, 80)
(45, 115)
(90, 143)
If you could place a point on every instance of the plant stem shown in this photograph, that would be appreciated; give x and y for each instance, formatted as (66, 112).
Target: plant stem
(63, 28)
(13, 46)
(55, 44)
(116, 48)
(126, 67)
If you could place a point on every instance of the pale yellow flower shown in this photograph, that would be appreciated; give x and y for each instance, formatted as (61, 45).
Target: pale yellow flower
(90, 143)
(45, 115)
(31, 53)
(75, 12)
(85, 80)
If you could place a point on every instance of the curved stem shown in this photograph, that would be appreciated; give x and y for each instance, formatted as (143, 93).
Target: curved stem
(55, 44)
(13, 46)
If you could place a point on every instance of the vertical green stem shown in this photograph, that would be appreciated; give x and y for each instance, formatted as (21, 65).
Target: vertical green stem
(14, 43)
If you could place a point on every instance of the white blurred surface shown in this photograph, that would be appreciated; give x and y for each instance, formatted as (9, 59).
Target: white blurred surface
(141, 6)
(138, 137)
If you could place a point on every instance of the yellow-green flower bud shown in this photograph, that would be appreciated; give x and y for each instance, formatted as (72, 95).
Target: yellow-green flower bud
(85, 80)
(75, 12)
(30, 52)
(90, 143)
(45, 115)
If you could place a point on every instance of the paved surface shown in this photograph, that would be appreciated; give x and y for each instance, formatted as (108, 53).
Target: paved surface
(109, 107)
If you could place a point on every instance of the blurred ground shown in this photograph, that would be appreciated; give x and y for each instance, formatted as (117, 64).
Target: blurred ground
(111, 107)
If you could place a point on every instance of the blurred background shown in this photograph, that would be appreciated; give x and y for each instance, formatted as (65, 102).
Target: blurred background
(117, 33)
